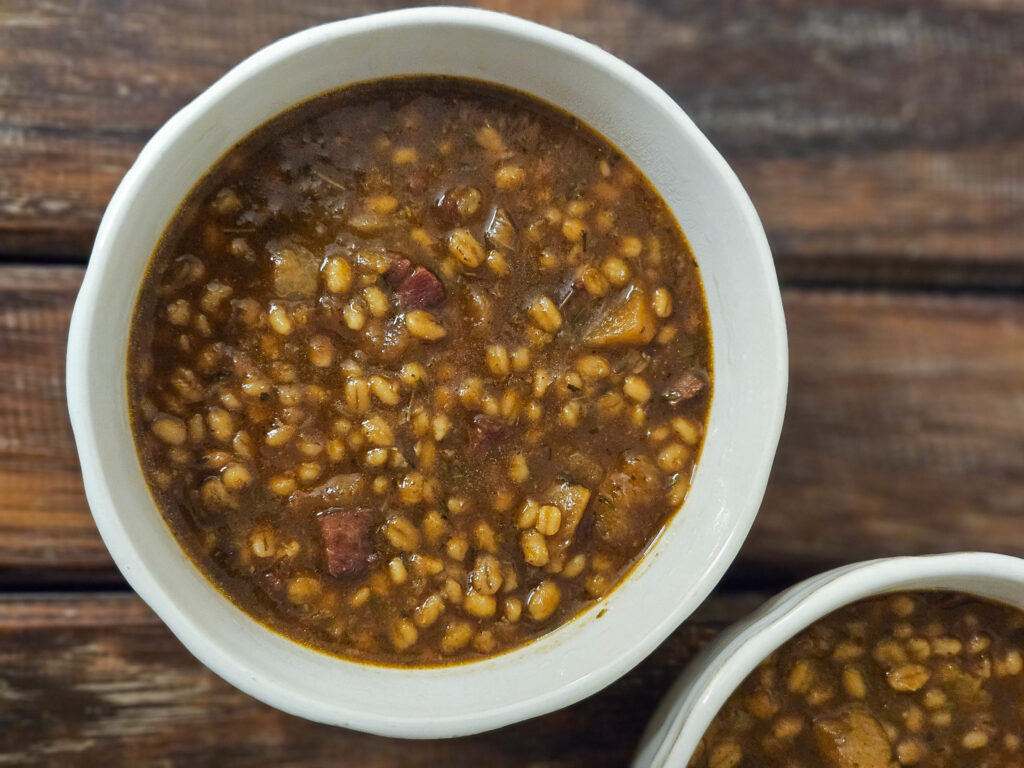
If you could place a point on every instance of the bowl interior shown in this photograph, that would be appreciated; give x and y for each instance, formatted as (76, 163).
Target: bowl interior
(686, 561)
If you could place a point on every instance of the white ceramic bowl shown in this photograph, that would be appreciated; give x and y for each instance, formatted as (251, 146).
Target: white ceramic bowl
(710, 679)
(745, 418)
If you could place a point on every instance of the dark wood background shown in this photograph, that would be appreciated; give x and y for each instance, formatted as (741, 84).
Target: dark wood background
(883, 144)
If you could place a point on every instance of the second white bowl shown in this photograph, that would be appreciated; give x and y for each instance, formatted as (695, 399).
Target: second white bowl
(710, 679)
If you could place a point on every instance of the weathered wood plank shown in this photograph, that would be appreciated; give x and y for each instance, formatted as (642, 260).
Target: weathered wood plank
(98, 680)
(877, 139)
(44, 522)
(904, 433)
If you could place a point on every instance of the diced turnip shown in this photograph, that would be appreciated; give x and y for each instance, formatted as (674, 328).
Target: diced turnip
(629, 321)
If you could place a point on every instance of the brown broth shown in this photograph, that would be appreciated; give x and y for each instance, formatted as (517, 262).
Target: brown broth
(419, 370)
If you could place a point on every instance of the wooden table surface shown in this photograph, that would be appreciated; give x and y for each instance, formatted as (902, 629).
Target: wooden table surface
(882, 142)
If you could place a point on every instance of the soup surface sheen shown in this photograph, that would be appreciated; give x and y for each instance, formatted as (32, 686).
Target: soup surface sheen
(419, 370)
(930, 679)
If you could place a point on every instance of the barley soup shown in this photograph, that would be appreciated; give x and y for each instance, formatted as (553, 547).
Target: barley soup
(419, 370)
(930, 679)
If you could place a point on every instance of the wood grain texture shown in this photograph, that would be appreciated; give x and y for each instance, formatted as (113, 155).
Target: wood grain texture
(904, 432)
(881, 140)
(44, 522)
(98, 680)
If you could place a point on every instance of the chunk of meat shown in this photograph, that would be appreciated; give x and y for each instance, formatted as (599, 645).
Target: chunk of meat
(336, 491)
(420, 290)
(484, 433)
(295, 270)
(622, 501)
(689, 385)
(398, 269)
(346, 535)
(852, 739)
(572, 500)
(447, 209)
(628, 321)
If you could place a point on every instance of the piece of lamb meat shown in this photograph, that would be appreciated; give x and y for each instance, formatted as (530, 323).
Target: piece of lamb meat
(419, 290)
(346, 534)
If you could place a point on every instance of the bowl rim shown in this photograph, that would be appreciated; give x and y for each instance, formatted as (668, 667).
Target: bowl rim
(707, 682)
(89, 438)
